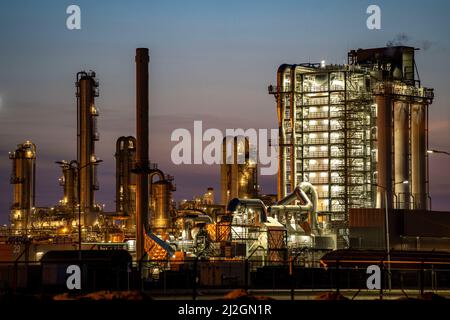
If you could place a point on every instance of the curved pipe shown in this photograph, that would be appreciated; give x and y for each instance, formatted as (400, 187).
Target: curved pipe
(310, 205)
(156, 172)
(123, 142)
(309, 188)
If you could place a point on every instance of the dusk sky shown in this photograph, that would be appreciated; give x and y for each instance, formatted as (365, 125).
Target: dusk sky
(209, 61)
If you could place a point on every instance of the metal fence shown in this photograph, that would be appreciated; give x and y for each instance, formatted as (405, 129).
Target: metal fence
(194, 277)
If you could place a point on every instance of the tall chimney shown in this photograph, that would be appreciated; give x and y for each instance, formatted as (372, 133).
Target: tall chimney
(142, 162)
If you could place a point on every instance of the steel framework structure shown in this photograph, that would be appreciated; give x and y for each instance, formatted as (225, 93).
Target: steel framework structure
(326, 115)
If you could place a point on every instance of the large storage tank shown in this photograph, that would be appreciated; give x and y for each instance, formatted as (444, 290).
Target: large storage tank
(162, 209)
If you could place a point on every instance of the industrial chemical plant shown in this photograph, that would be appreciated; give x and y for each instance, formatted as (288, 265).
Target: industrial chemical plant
(353, 141)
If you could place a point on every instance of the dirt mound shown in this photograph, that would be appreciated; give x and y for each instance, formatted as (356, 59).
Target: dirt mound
(431, 296)
(103, 295)
(241, 294)
(330, 296)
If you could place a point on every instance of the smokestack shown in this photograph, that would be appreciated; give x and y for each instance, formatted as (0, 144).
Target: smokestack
(142, 162)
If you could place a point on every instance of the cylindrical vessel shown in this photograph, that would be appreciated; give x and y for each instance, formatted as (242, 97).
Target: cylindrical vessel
(234, 189)
(87, 135)
(142, 162)
(161, 198)
(251, 172)
(239, 176)
(224, 191)
(384, 147)
(126, 179)
(418, 153)
(401, 154)
(23, 178)
(69, 183)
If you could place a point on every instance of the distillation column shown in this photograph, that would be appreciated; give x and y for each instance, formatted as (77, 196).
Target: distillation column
(142, 159)
(126, 179)
(401, 155)
(224, 188)
(23, 178)
(384, 141)
(229, 170)
(418, 156)
(87, 135)
(69, 183)
(234, 189)
(238, 171)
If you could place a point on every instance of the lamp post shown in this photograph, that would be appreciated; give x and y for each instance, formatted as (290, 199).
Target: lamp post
(386, 227)
(396, 183)
(79, 198)
(78, 195)
(431, 151)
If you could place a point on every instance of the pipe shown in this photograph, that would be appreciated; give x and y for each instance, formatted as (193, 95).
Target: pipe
(224, 195)
(142, 159)
(309, 188)
(285, 205)
(293, 136)
(281, 132)
(384, 147)
(401, 159)
(418, 154)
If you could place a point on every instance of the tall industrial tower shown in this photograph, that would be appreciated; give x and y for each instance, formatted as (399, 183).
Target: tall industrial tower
(23, 178)
(402, 126)
(69, 182)
(87, 91)
(238, 174)
(126, 179)
(335, 131)
(142, 60)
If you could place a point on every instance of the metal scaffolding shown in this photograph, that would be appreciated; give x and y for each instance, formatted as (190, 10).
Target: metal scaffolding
(326, 115)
